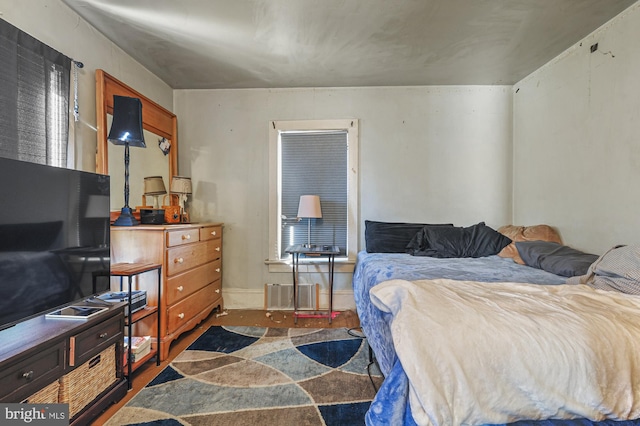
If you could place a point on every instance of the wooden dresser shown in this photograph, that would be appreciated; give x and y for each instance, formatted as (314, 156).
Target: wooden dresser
(191, 259)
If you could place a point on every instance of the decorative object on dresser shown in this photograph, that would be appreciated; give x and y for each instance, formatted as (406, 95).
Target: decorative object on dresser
(191, 259)
(154, 186)
(126, 130)
(182, 186)
(171, 211)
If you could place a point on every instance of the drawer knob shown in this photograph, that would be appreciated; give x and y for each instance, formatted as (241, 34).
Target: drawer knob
(103, 335)
(186, 237)
(179, 260)
(181, 315)
(218, 290)
(28, 375)
(213, 233)
(217, 248)
(218, 270)
(180, 288)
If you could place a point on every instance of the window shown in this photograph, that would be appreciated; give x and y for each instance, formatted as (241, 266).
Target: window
(315, 157)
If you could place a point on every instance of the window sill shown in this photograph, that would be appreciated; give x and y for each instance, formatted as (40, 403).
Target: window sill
(342, 265)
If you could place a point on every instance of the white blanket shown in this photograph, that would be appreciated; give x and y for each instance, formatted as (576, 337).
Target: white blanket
(478, 353)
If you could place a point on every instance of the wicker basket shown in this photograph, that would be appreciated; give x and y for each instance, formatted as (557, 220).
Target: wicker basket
(46, 395)
(85, 383)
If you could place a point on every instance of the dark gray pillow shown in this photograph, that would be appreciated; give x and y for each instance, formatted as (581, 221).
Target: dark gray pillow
(478, 240)
(555, 258)
(391, 237)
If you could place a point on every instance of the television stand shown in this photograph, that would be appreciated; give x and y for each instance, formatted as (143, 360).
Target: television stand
(45, 360)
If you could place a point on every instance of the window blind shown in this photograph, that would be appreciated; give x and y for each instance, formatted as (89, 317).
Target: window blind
(34, 99)
(314, 163)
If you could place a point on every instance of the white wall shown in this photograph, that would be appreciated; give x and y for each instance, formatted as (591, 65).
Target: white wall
(577, 140)
(54, 24)
(432, 154)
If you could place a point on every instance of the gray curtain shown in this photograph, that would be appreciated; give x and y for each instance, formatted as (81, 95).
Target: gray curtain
(34, 99)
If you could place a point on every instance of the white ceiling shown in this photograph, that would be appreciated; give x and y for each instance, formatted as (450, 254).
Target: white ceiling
(197, 44)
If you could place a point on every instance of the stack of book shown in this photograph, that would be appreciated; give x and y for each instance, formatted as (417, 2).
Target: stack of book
(140, 346)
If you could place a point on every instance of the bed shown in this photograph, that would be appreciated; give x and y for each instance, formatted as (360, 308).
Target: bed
(417, 313)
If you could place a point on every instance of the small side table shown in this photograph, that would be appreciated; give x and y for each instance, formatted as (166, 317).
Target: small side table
(129, 270)
(330, 252)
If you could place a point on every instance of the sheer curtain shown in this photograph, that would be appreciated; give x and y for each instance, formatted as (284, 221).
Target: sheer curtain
(34, 99)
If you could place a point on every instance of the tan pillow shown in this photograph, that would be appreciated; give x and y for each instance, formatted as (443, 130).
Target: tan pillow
(526, 233)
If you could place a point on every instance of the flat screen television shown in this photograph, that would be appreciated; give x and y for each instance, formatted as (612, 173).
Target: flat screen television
(54, 238)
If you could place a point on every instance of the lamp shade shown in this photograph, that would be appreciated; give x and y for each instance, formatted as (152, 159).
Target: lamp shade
(309, 206)
(154, 185)
(181, 185)
(126, 127)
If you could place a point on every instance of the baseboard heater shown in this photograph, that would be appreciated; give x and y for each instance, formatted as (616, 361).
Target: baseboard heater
(280, 297)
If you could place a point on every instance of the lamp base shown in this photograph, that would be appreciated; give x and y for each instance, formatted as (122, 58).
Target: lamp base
(126, 218)
(308, 245)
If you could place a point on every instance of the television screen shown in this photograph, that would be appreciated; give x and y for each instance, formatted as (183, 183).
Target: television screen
(54, 238)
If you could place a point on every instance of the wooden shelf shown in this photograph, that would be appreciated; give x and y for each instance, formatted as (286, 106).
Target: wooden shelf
(140, 314)
(138, 363)
(129, 270)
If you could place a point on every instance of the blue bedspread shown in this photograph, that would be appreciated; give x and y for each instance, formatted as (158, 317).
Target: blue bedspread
(390, 406)
(374, 268)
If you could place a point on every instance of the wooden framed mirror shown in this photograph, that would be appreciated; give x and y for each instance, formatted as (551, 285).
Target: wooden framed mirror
(157, 120)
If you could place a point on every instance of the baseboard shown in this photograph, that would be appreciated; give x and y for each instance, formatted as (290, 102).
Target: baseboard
(254, 299)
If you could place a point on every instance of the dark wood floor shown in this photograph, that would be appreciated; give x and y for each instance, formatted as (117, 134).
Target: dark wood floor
(257, 318)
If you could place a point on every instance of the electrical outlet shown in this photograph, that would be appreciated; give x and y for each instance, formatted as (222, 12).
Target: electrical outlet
(594, 47)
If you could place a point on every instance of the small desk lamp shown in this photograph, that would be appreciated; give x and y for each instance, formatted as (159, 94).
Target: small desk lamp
(182, 186)
(309, 207)
(126, 129)
(154, 186)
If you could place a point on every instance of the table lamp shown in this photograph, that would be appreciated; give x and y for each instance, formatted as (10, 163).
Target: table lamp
(309, 207)
(126, 129)
(154, 186)
(182, 186)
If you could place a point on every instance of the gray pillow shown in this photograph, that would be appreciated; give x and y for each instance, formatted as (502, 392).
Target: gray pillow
(555, 258)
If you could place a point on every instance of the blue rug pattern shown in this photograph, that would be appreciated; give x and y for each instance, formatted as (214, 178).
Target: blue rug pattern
(263, 376)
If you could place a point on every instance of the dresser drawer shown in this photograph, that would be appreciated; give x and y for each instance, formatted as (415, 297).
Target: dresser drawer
(182, 236)
(182, 285)
(180, 313)
(210, 232)
(90, 342)
(30, 375)
(182, 258)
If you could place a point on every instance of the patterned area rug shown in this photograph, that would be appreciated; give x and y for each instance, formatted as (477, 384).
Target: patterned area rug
(262, 376)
